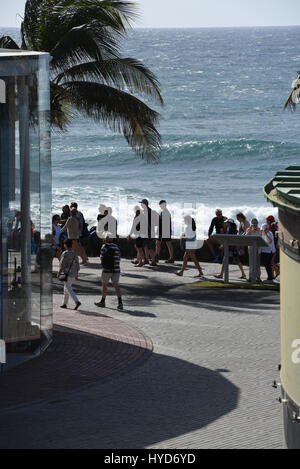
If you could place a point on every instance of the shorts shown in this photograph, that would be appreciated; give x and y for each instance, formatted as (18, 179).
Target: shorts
(113, 276)
(140, 242)
(149, 244)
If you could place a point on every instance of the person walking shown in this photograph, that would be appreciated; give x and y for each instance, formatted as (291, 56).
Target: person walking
(217, 224)
(138, 232)
(267, 252)
(65, 214)
(152, 220)
(164, 233)
(56, 232)
(73, 230)
(244, 224)
(190, 242)
(69, 265)
(273, 227)
(110, 261)
(79, 216)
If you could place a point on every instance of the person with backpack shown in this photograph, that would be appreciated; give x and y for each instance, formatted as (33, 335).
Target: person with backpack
(110, 261)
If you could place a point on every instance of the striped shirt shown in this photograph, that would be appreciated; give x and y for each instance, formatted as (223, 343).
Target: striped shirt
(115, 254)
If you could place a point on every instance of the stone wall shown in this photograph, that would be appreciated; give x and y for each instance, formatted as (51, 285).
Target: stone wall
(128, 251)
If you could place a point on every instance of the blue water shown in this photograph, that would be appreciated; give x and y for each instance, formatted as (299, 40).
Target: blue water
(224, 131)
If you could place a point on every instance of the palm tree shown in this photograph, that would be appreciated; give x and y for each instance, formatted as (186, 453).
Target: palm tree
(87, 73)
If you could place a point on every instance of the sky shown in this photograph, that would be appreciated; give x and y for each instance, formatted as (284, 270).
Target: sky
(192, 13)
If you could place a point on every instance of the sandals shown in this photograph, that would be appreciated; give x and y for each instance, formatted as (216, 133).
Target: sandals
(218, 276)
(180, 274)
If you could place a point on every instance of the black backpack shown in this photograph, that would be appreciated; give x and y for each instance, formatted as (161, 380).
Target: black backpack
(108, 259)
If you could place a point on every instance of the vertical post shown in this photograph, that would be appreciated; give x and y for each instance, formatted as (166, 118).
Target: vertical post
(45, 199)
(23, 93)
(254, 261)
(226, 261)
(4, 201)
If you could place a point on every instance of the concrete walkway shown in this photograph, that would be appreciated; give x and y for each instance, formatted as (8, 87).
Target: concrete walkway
(206, 384)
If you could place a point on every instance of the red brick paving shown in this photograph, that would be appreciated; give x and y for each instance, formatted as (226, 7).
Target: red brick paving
(86, 348)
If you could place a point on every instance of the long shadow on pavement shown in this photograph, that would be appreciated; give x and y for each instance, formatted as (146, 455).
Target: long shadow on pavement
(163, 398)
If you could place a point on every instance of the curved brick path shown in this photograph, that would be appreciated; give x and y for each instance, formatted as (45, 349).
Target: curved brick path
(87, 347)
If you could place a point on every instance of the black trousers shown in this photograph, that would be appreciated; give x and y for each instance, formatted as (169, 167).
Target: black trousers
(266, 260)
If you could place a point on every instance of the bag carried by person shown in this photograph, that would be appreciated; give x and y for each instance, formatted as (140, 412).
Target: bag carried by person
(108, 259)
(64, 276)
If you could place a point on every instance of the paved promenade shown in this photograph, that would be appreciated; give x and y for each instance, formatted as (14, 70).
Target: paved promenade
(181, 367)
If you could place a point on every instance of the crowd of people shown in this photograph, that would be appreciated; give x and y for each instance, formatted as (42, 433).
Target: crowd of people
(265, 255)
(148, 231)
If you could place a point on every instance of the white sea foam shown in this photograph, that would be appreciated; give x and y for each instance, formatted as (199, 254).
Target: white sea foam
(122, 207)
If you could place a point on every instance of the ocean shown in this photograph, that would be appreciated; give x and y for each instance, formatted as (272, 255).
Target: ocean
(224, 131)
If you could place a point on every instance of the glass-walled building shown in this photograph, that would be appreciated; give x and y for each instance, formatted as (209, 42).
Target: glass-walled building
(25, 206)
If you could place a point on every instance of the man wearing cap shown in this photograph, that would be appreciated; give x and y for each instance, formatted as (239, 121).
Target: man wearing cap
(164, 232)
(217, 224)
(152, 220)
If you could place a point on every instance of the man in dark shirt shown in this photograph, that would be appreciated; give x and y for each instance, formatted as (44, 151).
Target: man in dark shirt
(217, 224)
(152, 219)
(110, 260)
(164, 232)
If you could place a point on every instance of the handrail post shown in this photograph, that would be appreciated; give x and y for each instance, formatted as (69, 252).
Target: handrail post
(226, 262)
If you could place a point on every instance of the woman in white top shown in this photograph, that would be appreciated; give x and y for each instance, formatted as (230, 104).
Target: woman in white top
(69, 264)
(267, 252)
(189, 236)
(244, 224)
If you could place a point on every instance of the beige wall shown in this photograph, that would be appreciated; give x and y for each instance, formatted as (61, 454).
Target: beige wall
(290, 325)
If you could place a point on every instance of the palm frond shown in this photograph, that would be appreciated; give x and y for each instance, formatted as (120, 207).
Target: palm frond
(88, 75)
(46, 20)
(294, 96)
(62, 112)
(121, 112)
(6, 42)
(75, 46)
(124, 73)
